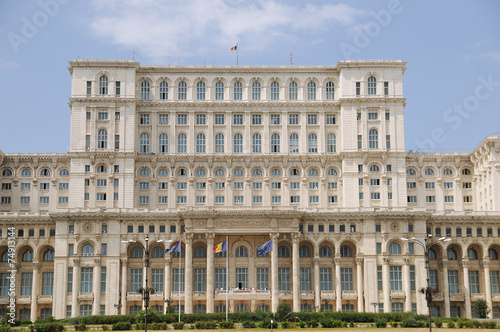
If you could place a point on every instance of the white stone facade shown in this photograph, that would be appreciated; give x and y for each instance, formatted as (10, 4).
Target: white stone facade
(312, 157)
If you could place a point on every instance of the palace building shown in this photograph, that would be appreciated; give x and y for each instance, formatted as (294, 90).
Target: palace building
(310, 157)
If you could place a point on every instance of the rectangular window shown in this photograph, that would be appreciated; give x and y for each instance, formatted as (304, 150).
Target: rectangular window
(117, 141)
(474, 282)
(47, 283)
(313, 185)
(181, 119)
(101, 197)
(181, 199)
(163, 119)
(89, 87)
(374, 182)
(220, 279)
(241, 278)
(294, 199)
(378, 246)
(395, 273)
(256, 119)
(238, 199)
(305, 279)
(331, 228)
(219, 199)
(238, 185)
(312, 119)
(412, 199)
(433, 279)
(453, 281)
(181, 185)
(411, 248)
(448, 199)
(346, 279)
(238, 119)
(330, 119)
(380, 283)
(143, 199)
(200, 199)
(102, 182)
(358, 88)
(117, 88)
(448, 185)
(386, 88)
(466, 185)
(25, 186)
(135, 280)
(144, 119)
(103, 279)
(458, 232)
(275, 119)
(262, 278)
(44, 186)
(220, 185)
(26, 283)
(360, 141)
(63, 186)
(293, 119)
(412, 278)
(325, 278)
(276, 199)
(284, 279)
(257, 199)
(257, 185)
(86, 279)
(70, 279)
(429, 185)
(388, 142)
(219, 119)
(25, 200)
(332, 185)
(467, 199)
(495, 282)
(102, 116)
(43, 200)
(397, 307)
(63, 200)
(275, 185)
(201, 186)
(294, 185)
(411, 185)
(387, 116)
(332, 199)
(372, 116)
(87, 142)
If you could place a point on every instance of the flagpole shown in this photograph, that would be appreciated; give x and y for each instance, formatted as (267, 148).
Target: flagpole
(180, 254)
(227, 274)
(237, 55)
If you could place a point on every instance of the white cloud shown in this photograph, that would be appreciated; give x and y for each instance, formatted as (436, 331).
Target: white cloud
(492, 56)
(159, 29)
(6, 65)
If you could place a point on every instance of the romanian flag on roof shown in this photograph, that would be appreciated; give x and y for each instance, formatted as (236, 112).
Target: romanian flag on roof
(234, 48)
(220, 247)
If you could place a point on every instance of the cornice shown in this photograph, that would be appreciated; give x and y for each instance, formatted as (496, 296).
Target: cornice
(235, 104)
(371, 99)
(102, 99)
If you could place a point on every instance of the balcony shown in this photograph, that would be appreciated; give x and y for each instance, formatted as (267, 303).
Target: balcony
(457, 297)
(330, 295)
(438, 297)
(477, 296)
(495, 297)
(350, 295)
(86, 296)
(134, 296)
(244, 294)
(23, 299)
(45, 299)
(399, 294)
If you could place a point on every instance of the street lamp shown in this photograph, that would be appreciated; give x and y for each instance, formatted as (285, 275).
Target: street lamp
(428, 290)
(146, 290)
(118, 306)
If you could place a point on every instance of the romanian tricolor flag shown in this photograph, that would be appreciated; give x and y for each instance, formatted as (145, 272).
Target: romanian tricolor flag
(220, 247)
(234, 48)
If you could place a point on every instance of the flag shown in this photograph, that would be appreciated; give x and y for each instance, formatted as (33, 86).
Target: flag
(234, 48)
(175, 248)
(220, 247)
(265, 248)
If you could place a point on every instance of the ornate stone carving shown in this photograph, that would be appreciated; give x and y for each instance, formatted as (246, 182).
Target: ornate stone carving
(36, 265)
(359, 260)
(295, 237)
(386, 260)
(97, 261)
(76, 262)
(87, 227)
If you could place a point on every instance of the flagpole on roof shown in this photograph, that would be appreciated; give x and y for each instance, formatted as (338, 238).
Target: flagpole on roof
(179, 277)
(227, 270)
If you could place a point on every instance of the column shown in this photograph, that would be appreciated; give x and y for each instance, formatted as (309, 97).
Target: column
(167, 282)
(487, 285)
(407, 284)
(274, 274)
(34, 291)
(465, 265)
(338, 286)
(317, 290)
(124, 287)
(446, 291)
(76, 288)
(188, 274)
(295, 272)
(387, 285)
(210, 273)
(96, 287)
(359, 270)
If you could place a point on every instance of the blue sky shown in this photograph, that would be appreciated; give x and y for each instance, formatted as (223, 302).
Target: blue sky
(452, 50)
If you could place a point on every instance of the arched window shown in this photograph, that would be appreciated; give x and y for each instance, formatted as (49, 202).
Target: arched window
(275, 143)
(238, 172)
(238, 91)
(200, 91)
(238, 143)
(144, 172)
(64, 172)
(493, 254)
(5, 256)
(330, 91)
(145, 90)
(164, 90)
(325, 251)
(429, 171)
(241, 251)
(200, 143)
(48, 256)
(447, 171)
(182, 143)
(275, 172)
(304, 251)
(294, 143)
(255, 91)
(312, 143)
(472, 254)
(466, 171)
(256, 143)
(331, 143)
(144, 143)
(157, 252)
(181, 172)
(88, 249)
(102, 169)
(372, 85)
(136, 252)
(201, 172)
(43, 172)
(292, 91)
(219, 172)
(410, 171)
(283, 251)
(451, 254)
(332, 171)
(199, 251)
(394, 249)
(6, 172)
(26, 172)
(373, 139)
(311, 91)
(163, 143)
(219, 91)
(182, 90)
(313, 172)
(257, 172)
(275, 91)
(103, 85)
(219, 143)
(163, 172)
(28, 256)
(294, 172)
(176, 254)
(102, 139)
(345, 251)
(432, 254)
(374, 169)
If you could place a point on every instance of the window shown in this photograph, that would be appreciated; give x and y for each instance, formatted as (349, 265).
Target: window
(386, 88)
(200, 143)
(219, 119)
(238, 119)
(429, 171)
(89, 87)
(256, 143)
(474, 282)
(275, 143)
(219, 143)
(305, 279)
(163, 119)
(372, 86)
(200, 91)
(429, 185)
(453, 281)
(262, 278)
(145, 90)
(242, 278)
(163, 90)
(433, 279)
(312, 143)
(395, 249)
(378, 246)
(103, 85)
(241, 251)
(256, 119)
(373, 139)
(102, 139)
(311, 91)
(395, 273)
(199, 277)
(86, 279)
(372, 116)
(448, 185)
(330, 119)
(412, 278)
(430, 199)
(331, 143)
(495, 282)
(387, 142)
(219, 91)
(380, 284)
(275, 91)
(292, 91)
(397, 307)
(330, 91)
(358, 88)
(135, 279)
(163, 143)
(144, 143)
(294, 143)
(293, 119)
(182, 143)
(451, 254)
(238, 143)
(312, 119)
(346, 279)
(182, 119)
(345, 251)
(275, 119)
(255, 91)
(182, 90)
(238, 91)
